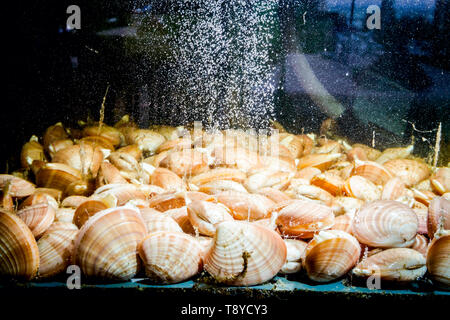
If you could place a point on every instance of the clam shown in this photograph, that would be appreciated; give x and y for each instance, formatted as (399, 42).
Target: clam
(293, 143)
(122, 192)
(245, 254)
(206, 244)
(64, 215)
(343, 223)
(19, 256)
(423, 196)
(127, 164)
(274, 194)
(302, 218)
(109, 174)
(440, 181)
(438, 215)
(181, 217)
(167, 201)
(397, 264)
(302, 191)
(73, 201)
(58, 145)
(372, 171)
(87, 209)
(55, 248)
(319, 161)
(37, 217)
(307, 173)
(245, 206)
(330, 182)
(371, 153)
(343, 205)
(186, 162)
(131, 150)
(385, 224)
(218, 174)
(158, 221)
(330, 255)
(218, 186)
(37, 198)
(167, 180)
(327, 147)
(106, 245)
(410, 171)
(393, 189)
(361, 188)
(420, 244)
(294, 253)
(32, 150)
(175, 144)
(113, 135)
(438, 259)
(83, 158)
(357, 153)
(98, 142)
(265, 178)
(53, 193)
(171, 257)
(204, 216)
(147, 140)
(17, 187)
(54, 133)
(422, 217)
(394, 153)
(240, 158)
(57, 175)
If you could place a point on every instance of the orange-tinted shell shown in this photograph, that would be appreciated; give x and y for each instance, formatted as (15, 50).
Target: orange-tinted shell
(38, 217)
(438, 215)
(438, 259)
(319, 161)
(372, 171)
(245, 206)
(410, 171)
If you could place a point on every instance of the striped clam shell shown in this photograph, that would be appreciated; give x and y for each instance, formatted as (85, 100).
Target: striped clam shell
(385, 224)
(438, 259)
(204, 216)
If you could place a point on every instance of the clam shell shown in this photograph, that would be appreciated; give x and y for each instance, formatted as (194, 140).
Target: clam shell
(147, 140)
(83, 158)
(293, 143)
(204, 215)
(302, 218)
(157, 221)
(302, 191)
(385, 224)
(167, 180)
(266, 178)
(440, 181)
(113, 135)
(307, 173)
(361, 188)
(371, 153)
(58, 145)
(86, 210)
(422, 217)
(245, 206)
(357, 153)
(64, 215)
(393, 189)
(98, 141)
(54, 133)
(38, 198)
(397, 264)
(343, 205)
(122, 192)
(55, 248)
(37, 217)
(420, 244)
(175, 144)
(171, 257)
(53, 193)
(245, 254)
(17, 187)
(20, 253)
(181, 216)
(218, 174)
(372, 171)
(438, 259)
(73, 201)
(394, 153)
(330, 182)
(106, 245)
(273, 194)
(327, 147)
(330, 255)
(31, 151)
(167, 201)
(343, 223)
(438, 214)
(218, 186)
(410, 171)
(57, 175)
(186, 162)
(319, 161)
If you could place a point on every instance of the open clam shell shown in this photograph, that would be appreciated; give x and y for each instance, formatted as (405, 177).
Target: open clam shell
(55, 248)
(295, 250)
(385, 224)
(302, 218)
(361, 188)
(397, 264)
(83, 158)
(106, 245)
(245, 254)
(19, 256)
(330, 255)
(171, 257)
